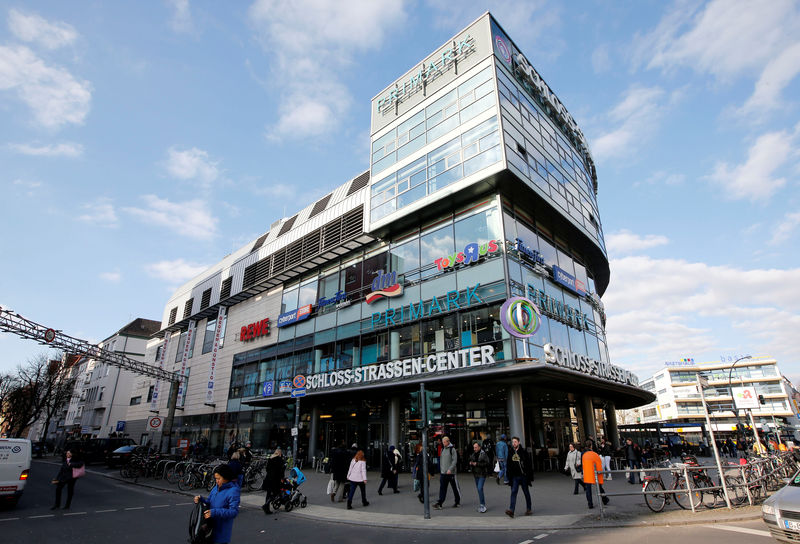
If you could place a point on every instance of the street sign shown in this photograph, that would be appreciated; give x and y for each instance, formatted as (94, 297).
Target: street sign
(267, 389)
(285, 386)
(154, 423)
(49, 335)
(299, 381)
(120, 426)
(294, 431)
(298, 392)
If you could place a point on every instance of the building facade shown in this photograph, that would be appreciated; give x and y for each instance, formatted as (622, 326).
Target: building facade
(481, 189)
(678, 400)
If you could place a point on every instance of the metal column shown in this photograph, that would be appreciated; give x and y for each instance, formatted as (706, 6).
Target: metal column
(394, 421)
(516, 419)
(587, 418)
(314, 432)
(611, 418)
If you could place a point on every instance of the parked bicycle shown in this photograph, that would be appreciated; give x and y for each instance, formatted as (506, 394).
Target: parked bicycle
(652, 484)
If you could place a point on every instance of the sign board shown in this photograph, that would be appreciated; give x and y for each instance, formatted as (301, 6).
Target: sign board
(294, 431)
(745, 397)
(285, 386)
(120, 426)
(154, 423)
(183, 443)
(299, 381)
(268, 389)
(299, 392)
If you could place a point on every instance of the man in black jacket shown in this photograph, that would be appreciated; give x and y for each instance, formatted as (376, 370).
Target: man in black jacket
(519, 469)
(340, 463)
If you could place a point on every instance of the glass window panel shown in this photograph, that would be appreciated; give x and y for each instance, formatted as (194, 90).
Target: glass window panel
(418, 130)
(548, 251)
(445, 179)
(383, 140)
(208, 339)
(390, 147)
(384, 163)
(374, 264)
(466, 100)
(483, 89)
(414, 121)
(452, 160)
(412, 146)
(411, 196)
(418, 178)
(471, 150)
(474, 81)
(439, 334)
(436, 244)
(412, 168)
(443, 128)
(402, 139)
(477, 107)
(565, 262)
(307, 293)
(452, 109)
(443, 150)
(383, 210)
(289, 299)
(474, 134)
(491, 140)
(402, 186)
(481, 161)
(439, 105)
(480, 228)
(378, 154)
(435, 119)
(405, 257)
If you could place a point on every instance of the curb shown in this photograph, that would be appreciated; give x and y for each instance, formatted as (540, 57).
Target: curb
(445, 524)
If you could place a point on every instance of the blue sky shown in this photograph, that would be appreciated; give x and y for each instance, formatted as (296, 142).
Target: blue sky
(141, 142)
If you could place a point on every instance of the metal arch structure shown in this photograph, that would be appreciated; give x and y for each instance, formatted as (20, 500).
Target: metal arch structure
(14, 323)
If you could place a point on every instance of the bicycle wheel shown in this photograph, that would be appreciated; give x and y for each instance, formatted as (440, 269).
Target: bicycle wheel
(187, 482)
(210, 482)
(708, 498)
(736, 491)
(655, 502)
(276, 505)
(255, 480)
(688, 498)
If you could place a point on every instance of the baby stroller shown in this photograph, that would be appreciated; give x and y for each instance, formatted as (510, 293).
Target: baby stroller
(290, 495)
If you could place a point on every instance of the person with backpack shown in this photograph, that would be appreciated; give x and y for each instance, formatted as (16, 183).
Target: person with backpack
(222, 503)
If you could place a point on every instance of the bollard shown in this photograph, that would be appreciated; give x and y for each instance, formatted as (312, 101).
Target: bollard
(746, 485)
(599, 496)
(688, 486)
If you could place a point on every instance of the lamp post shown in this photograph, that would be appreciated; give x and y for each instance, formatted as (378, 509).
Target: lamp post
(730, 388)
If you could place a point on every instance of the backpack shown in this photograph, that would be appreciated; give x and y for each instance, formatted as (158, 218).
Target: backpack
(201, 530)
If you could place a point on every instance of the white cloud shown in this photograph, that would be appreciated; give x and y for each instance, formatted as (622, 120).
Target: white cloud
(111, 277)
(635, 118)
(311, 43)
(662, 177)
(52, 93)
(659, 309)
(785, 228)
(33, 28)
(755, 178)
(29, 186)
(778, 73)
(192, 164)
(175, 272)
(181, 21)
(69, 149)
(100, 212)
(192, 219)
(601, 60)
(625, 241)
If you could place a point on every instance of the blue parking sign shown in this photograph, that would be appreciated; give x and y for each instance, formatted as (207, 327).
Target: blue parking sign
(268, 389)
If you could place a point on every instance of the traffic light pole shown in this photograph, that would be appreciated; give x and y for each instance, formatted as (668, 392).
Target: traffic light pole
(296, 429)
(425, 488)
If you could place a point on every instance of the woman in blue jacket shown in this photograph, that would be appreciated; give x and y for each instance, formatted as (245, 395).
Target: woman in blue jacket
(223, 503)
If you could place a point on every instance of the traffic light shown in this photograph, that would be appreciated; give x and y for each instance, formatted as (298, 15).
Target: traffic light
(433, 403)
(290, 411)
(414, 412)
(761, 399)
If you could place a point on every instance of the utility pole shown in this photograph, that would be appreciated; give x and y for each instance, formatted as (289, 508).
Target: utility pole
(713, 441)
(296, 429)
(425, 488)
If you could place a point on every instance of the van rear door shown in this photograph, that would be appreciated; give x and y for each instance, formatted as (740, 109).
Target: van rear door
(15, 465)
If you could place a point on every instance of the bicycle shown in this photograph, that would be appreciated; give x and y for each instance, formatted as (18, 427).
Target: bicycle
(712, 492)
(657, 501)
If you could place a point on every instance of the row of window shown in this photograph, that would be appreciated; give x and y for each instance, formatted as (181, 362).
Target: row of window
(743, 372)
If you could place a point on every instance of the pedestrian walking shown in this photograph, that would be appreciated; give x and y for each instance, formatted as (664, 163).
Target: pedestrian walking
(592, 464)
(272, 481)
(480, 465)
(419, 473)
(70, 470)
(223, 503)
(389, 471)
(520, 474)
(340, 462)
(574, 466)
(357, 476)
(633, 455)
(237, 466)
(501, 451)
(606, 449)
(448, 461)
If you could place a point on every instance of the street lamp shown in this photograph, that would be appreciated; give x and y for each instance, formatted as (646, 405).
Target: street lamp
(730, 389)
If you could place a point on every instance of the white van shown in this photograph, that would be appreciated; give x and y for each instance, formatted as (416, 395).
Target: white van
(15, 466)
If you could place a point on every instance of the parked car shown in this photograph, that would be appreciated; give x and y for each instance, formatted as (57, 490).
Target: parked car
(781, 512)
(120, 456)
(97, 450)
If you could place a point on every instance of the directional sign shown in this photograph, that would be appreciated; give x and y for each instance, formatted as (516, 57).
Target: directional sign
(299, 381)
(298, 392)
(268, 389)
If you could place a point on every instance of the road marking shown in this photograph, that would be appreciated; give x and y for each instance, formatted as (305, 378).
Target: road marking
(135, 508)
(101, 511)
(74, 513)
(541, 536)
(9, 519)
(45, 516)
(526, 542)
(160, 506)
(740, 530)
(183, 503)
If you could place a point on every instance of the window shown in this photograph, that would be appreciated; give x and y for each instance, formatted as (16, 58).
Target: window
(136, 400)
(182, 344)
(434, 245)
(205, 299)
(289, 299)
(150, 393)
(172, 315)
(100, 395)
(404, 258)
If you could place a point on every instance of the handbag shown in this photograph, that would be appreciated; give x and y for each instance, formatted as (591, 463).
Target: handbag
(497, 466)
(78, 472)
(331, 486)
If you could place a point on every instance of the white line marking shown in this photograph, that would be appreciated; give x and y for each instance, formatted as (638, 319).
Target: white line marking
(45, 516)
(541, 536)
(101, 511)
(526, 542)
(135, 508)
(9, 519)
(160, 506)
(740, 530)
(74, 513)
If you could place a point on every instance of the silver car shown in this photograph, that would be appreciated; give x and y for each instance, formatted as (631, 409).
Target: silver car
(781, 512)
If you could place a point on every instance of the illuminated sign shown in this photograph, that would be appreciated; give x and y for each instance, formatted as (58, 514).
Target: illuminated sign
(520, 317)
(254, 330)
(569, 281)
(472, 252)
(532, 254)
(385, 285)
(289, 318)
(426, 73)
(584, 364)
(340, 296)
(451, 300)
(432, 364)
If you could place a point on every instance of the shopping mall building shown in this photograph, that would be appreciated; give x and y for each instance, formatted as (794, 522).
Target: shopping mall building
(481, 188)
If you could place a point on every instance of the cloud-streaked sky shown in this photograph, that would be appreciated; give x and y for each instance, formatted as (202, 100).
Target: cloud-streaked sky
(141, 142)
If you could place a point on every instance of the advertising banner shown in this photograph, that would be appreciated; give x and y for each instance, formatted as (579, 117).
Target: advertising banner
(187, 345)
(157, 386)
(212, 370)
(745, 397)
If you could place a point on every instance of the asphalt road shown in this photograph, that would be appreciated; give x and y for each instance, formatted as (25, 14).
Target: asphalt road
(108, 511)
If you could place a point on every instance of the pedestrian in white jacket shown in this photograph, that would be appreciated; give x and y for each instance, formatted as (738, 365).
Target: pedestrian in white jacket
(573, 465)
(357, 476)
